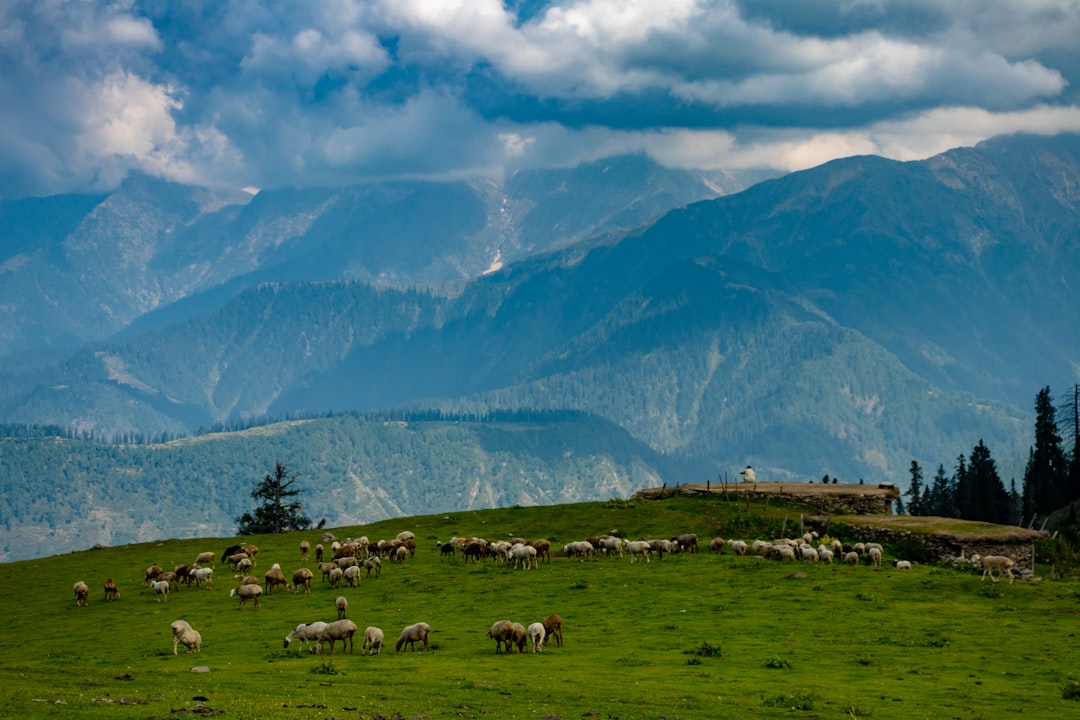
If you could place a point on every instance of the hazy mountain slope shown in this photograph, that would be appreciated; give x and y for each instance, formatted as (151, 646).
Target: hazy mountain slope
(79, 269)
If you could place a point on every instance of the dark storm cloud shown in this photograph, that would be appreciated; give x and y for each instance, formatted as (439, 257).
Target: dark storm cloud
(276, 92)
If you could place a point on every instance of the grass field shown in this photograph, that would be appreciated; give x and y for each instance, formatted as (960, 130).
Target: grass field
(691, 636)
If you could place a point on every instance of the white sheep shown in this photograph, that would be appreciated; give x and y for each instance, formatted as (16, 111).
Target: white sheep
(373, 641)
(851, 558)
(637, 548)
(82, 594)
(578, 549)
(537, 634)
(902, 564)
(738, 547)
(161, 590)
(523, 554)
(247, 592)
(372, 562)
(875, 556)
(990, 563)
(206, 558)
(307, 633)
(184, 634)
(809, 554)
(202, 575)
(825, 555)
(342, 630)
(417, 632)
(341, 604)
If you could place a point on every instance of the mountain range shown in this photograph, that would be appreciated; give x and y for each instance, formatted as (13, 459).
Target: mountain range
(842, 320)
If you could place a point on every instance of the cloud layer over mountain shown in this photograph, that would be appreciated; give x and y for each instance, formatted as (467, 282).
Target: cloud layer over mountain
(271, 92)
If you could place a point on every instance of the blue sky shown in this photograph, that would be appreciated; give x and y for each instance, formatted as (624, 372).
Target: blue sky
(269, 94)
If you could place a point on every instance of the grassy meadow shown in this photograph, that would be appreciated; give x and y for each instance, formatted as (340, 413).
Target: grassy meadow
(691, 636)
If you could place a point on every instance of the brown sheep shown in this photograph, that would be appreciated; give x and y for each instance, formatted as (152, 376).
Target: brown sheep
(553, 628)
(305, 550)
(82, 594)
(112, 592)
(302, 578)
(274, 577)
(414, 633)
(151, 574)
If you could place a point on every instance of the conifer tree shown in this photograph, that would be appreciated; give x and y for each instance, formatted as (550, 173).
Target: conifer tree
(1046, 473)
(915, 490)
(961, 489)
(988, 498)
(1069, 414)
(278, 511)
(941, 496)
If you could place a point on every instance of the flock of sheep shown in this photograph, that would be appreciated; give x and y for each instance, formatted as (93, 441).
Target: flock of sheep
(347, 560)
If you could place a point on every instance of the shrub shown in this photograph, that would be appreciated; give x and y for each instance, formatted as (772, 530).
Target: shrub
(1071, 691)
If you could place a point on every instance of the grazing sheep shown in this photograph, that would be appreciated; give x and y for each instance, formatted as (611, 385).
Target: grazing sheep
(809, 554)
(305, 550)
(302, 578)
(326, 568)
(202, 575)
(875, 556)
(738, 547)
(785, 552)
(352, 575)
(902, 564)
(318, 553)
(716, 545)
(446, 550)
(636, 548)
(372, 563)
(307, 633)
(274, 577)
(346, 561)
(524, 554)
(553, 628)
(112, 592)
(342, 630)
(851, 558)
(536, 634)
(990, 563)
(170, 577)
(609, 545)
(82, 594)
(543, 548)
(373, 641)
(161, 590)
(502, 632)
(580, 549)
(245, 593)
(336, 576)
(688, 542)
(236, 558)
(206, 558)
(184, 634)
(825, 555)
(521, 636)
(342, 606)
(412, 634)
(151, 574)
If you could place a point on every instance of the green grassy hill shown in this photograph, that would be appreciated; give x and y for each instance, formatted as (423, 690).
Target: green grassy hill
(689, 636)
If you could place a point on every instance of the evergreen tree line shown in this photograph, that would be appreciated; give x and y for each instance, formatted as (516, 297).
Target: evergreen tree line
(974, 491)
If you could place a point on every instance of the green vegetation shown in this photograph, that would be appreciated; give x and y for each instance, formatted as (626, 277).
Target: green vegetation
(840, 642)
(278, 512)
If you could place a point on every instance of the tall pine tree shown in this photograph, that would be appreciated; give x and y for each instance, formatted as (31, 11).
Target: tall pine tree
(278, 512)
(1069, 414)
(915, 490)
(962, 489)
(941, 496)
(1046, 472)
(989, 501)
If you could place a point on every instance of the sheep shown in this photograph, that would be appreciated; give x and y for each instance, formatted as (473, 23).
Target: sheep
(636, 548)
(523, 554)
(274, 577)
(252, 551)
(608, 545)
(184, 634)
(579, 549)
(502, 632)
(170, 577)
(236, 558)
(405, 535)
(245, 593)
(336, 576)
(688, 542)
(161, 590)
(553, 628)
(352, 575)
(543, 548)
(342, 630)
(342, 605)
(244, 564)
(663, 546)
(809, 554)
(205, 558)
(990, 563)
(875, 556)
(307, 633)
(302, 578)
(738, 547)
(373, 641)
(346, 561)
(318, 553)
(902, 564)
(851, 558)
(400, 553)
(82, 594)
(785, 552)
(536, 634)
(716, 545)
(372, 563)
(825, 555)
(412, 634)
(202, 575)
(305, 550)
(112, 592)
(446, 550)
(326, 568)
(151, 574)
(521, 636)
(247, 580)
